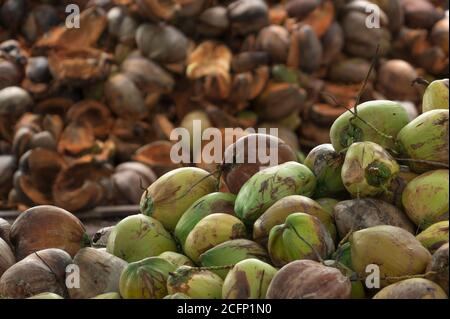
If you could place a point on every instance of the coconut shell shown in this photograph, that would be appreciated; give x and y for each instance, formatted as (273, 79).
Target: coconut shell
(356, 214)
(439, 265)
(42, 271)
(415, 288)
(7, 258)
(308, 279)
(7, 168)
(44, 227)
(99, 273)
(396, 252)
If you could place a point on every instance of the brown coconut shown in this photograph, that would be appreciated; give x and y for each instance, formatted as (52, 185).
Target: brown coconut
(42, 271)
(414, 288)
(7, 258)
(308, 279)
(439, 266)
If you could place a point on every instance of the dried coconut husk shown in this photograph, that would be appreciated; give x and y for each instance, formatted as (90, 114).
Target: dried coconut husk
(94, 114)
(94, 22)
(76, 138)
(7, 258)
(79, 66)
(55, 105)
(78, 186)
(5, 228)
(7, 169)
(157, 156)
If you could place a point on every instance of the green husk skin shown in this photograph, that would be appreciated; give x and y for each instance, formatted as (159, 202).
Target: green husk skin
(269, 185)
(426, 198)
(396, 252)
(368, 169)
(278, 212)
(425, 139)
(231, 252)
(326, 164)
(249, 279)
(173, 193)
(176, 258)
(145, 279)
(46, 295)
(209, 204)
(195, 283)
(434, 236)
(139, 236)
(386, 116)
(435, 96)
(302, 236)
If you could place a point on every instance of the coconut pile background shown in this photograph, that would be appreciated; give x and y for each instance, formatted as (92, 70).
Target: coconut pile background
(362, 175)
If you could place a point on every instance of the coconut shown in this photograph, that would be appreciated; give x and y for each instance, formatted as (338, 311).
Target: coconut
(176, 258)
(231, 252)
(249, 279)
(426, 198)
(357, 285)
(242, 158)
(439, 266)
(137, 237)
(174, 192)
(308, 279)
(302, 236)
(99, 273)
(386, 116)
(395, 190)
(414, 288)
(216, 202)
(100, 238)
(42, 271)
(145, 279)
(211, 231)
(195, 283)
(434, 236)
(425, 139)
(269, 185)
(368, 169)
(7, 258)
(326, 165)
(356, 214)
(435, 96)
(394, 250)
(278, 212)
(46, 226)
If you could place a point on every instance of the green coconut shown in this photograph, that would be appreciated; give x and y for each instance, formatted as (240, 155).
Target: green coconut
(395, 251)
(426, 198)
(195, 283)
(302, 236)
(249, 279)
(424, 141)
(434, 236)
(137, 237)
(435, 96)
(326, 164)
(368, 169)
(386, 116)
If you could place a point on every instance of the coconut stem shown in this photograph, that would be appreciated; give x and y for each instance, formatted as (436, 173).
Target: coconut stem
(224, 267)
